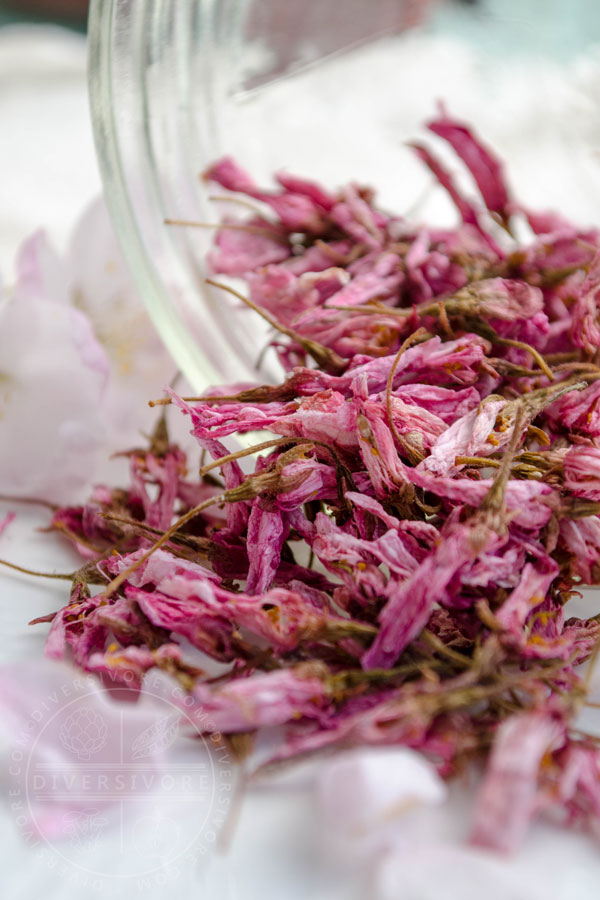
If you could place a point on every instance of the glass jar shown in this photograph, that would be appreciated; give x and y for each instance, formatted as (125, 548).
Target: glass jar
(330, 90)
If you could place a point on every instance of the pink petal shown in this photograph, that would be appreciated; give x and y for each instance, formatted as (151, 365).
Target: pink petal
(506, 800)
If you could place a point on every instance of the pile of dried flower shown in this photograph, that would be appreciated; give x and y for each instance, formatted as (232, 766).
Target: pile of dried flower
(435, 446)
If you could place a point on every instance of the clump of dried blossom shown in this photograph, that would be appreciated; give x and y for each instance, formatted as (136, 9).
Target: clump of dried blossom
(435, 444)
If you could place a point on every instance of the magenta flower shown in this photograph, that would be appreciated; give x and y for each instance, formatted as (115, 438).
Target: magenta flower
(381, 549)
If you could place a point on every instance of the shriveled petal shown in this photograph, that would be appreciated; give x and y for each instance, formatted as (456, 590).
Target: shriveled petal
(506, 800)
(262, 700)
(467, 436)
(485, 168)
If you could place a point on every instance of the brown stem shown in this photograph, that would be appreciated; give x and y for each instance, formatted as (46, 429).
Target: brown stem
(62, 577)
(440, 647)
(495, 498)
(509, 342)
(374, 309)
(34, 501)
(209, 398)
(232, 226)
(73, 536)
(256, 448)
(323, 356)
(201, 545)
(413, 455)
(238, 201)
(478, 461)
(116, 583)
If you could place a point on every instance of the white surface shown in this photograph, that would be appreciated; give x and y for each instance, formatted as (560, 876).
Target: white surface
(278, 850)
(47, 156)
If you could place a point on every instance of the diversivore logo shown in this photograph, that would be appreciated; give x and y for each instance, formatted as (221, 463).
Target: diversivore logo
(112, 788)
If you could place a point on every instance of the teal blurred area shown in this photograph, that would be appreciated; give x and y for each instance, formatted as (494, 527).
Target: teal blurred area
(69, 13)
(556, 29)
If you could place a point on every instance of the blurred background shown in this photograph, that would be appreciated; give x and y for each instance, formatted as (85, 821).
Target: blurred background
(47, 149)
(69, 12)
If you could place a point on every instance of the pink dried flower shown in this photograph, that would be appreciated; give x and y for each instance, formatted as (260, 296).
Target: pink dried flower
(263, 700)
(485, 168)
(243, 246)
(391, 563)
(507, 798)
(582, 471)
(467, 436)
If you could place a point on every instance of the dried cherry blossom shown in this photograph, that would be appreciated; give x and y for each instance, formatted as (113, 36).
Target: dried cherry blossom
(391, 563)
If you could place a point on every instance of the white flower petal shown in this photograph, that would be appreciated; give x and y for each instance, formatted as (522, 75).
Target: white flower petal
(101, 286)
(363, 790)
(40, 271)
(52, 376)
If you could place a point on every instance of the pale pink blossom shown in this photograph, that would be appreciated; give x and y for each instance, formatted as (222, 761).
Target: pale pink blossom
(80, 359)
(360, 793)
(54, 375)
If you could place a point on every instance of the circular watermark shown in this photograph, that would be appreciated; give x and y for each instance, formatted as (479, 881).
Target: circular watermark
(108, 784)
